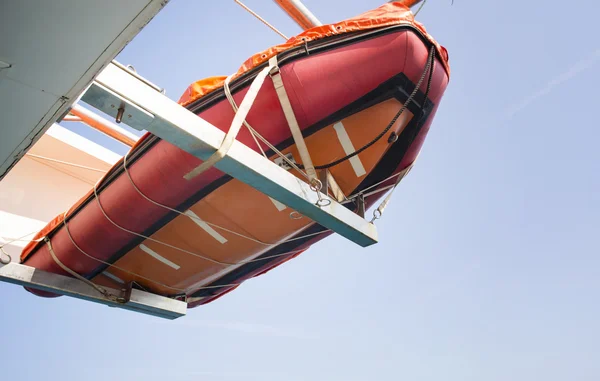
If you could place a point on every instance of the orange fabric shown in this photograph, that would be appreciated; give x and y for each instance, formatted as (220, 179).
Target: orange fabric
(389, 14)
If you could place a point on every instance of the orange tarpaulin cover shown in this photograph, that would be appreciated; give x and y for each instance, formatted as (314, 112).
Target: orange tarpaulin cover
(389, 14)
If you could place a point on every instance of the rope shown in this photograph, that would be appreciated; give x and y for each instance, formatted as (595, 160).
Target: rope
(152, 280)
(352, 197)
(421, 7)
(310, 174)
(155, 240)
(430, 61)
(101, 290)
(110, 264)
(194, 217)
(261, 19)
(235, 126)
(368, 194)
(65, 162)
(20, 239)
(10, 241)
(377, 213)
(256, 134)
(198, 219)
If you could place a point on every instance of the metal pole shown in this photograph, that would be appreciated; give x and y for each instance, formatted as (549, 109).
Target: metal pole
(303, 17)
(408, 3)
(299, 13)
(99, 123)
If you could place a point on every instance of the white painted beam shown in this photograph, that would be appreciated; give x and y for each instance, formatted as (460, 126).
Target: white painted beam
(139, 301)
(148, 109)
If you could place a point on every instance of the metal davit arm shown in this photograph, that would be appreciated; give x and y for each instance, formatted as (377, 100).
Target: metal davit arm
(299, 13)
(306, 20)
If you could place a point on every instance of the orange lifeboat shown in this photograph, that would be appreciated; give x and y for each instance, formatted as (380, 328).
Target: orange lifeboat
(364, 92)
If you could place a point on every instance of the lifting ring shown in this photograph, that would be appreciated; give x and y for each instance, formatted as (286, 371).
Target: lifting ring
(376, 215)
(316, 185)
(295, 215)
(2, 252)
(323, 202)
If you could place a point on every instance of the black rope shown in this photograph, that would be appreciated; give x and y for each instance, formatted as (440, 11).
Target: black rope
(428, 66)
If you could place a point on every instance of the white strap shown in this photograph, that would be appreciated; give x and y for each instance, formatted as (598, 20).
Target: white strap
(291, 119)
(236, 124)
(234, 106)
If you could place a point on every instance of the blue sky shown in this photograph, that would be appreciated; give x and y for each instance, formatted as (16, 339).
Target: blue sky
(488, 266)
